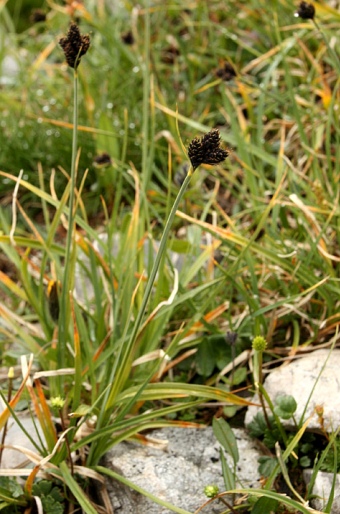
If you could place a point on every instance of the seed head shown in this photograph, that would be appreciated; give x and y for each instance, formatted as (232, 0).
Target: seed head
(231, 338)
(102, 161)
(226, 72)
(37, 16)
(259, 344)
(128, 38)
(57, 402)
(74, 45)
(211, 491)
(207, 149)
(306, 11)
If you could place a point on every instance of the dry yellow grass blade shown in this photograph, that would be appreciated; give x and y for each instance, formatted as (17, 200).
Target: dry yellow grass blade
(322, 247)
(261, 61)
(44, 55)
(6, 413)
(41, 408)
(208, 318)
(136, 206)
(12, 286)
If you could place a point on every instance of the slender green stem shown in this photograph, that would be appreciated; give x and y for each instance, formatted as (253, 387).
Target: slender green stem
(66, 286)
(276, 417)
(146, 171)
(162, 245)
(258, 383)
(137, 324)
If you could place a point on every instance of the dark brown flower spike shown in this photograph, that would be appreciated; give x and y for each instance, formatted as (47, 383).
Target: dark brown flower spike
(207, 149)
(74, 45)
(128, 38)
(226, 72)
(306, 11)
(37, 16)
(102, 161)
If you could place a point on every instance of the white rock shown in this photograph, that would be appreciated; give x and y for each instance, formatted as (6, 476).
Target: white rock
(322, 488)
(179, 474)
(12, 458)
(298, 379)
(9, 70)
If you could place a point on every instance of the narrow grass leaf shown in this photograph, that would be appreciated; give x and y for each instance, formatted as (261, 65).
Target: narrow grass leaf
(76, 490)
(228, 475)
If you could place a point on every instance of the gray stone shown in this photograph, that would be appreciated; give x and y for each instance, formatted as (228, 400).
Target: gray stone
(298, 379)
(9, 69)
(179, 473)
(12, 458)
(322, 488)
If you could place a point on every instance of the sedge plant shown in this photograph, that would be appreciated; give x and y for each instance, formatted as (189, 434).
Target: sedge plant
(89, 346)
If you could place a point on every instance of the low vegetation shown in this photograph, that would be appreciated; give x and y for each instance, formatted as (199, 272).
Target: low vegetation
(169, 181)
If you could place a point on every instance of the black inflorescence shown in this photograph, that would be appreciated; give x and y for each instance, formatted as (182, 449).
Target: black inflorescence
(207, 149)
(74, 45)
(226, 72)
(102, 161)
(306, 11)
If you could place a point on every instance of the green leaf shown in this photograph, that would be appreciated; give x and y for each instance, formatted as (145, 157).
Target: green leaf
(106, 140)
(42, 488)
(82, 410)
(228, 475)
(9, 509)
(7, 496)
(266, 465)
(12, 485)
(50, 496)
(239, 376)
(51, 506)
(162, 390)
(257, 426)
(267, 505)
(205, 359)
(180, 246)
(271, 436)
(285, 406)
(229, 411)
(76, 490)
(226, 437)
(281, 498)
(305, 462)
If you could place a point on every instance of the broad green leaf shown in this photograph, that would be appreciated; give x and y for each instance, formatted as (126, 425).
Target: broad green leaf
(226, 437)
(205, 359)
(285, 406)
